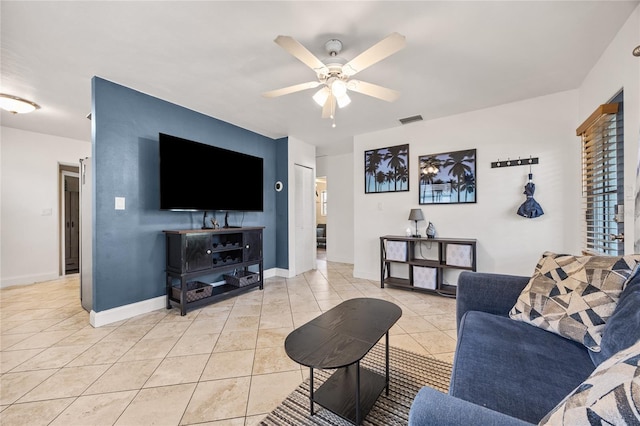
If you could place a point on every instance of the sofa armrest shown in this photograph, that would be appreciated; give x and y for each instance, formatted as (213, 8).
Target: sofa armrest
(432, 407)
(492, 293)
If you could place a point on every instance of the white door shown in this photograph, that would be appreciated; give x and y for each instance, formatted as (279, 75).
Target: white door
(304, 219)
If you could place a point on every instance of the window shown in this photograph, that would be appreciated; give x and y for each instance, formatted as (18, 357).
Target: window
(323, 203)
(603, 178)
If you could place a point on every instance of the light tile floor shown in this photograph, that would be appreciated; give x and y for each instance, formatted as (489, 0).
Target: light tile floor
(223, 364)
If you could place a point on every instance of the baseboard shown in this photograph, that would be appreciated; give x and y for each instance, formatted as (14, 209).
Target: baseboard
(367, 275)
(98, 319)
(282, 273)
(28, 279)
(338, 259)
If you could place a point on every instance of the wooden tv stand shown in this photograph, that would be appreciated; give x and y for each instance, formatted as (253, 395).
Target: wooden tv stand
(194, 253)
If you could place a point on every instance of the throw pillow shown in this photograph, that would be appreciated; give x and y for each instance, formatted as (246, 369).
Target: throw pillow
(623, 327)
(573, 296)
(609, 396)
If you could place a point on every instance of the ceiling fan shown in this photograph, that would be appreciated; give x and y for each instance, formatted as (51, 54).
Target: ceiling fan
(334, 74)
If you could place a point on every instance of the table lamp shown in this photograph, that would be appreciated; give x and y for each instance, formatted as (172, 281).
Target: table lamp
(416, 215)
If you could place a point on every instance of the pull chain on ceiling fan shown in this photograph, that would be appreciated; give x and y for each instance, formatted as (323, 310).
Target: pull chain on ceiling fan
(335, 75)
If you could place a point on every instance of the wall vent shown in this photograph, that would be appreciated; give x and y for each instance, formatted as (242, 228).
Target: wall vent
(412, 119)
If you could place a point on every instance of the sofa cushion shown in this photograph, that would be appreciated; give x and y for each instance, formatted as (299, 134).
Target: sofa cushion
(432, 407)
(506, 365)
(623, 327)
(611, 394)
(574, 296)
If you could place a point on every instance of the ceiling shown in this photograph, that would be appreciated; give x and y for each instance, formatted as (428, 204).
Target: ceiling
(217, 58)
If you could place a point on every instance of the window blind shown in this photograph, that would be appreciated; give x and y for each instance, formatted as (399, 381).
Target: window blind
(603, 179)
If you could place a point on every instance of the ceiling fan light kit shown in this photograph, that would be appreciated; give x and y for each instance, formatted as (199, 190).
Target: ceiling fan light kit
(321, 96)
(334, 76)
(343, 100)
(338, 87)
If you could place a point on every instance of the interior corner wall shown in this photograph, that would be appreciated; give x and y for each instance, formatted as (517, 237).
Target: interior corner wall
(129, 245)
(282, 203)
(541, 127)
(618, 69)
(322, 164)
(29, 217)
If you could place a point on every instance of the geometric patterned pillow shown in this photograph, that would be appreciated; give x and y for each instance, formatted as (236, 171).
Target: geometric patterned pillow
(609, 396)
(573, 296)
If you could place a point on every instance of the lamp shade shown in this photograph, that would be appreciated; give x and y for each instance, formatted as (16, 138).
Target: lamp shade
(343, 101)
(321, 96)
(338, 88)
(416, 214)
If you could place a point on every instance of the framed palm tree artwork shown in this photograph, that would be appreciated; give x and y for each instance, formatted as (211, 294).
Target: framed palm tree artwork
(448, 178)
(386, 169)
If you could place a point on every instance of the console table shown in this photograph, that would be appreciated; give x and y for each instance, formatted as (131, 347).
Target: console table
(194, 253)
(420, 263)
(339, 339)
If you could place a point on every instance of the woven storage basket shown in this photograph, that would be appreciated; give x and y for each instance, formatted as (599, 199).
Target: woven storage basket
(196, 290)
(242, 278)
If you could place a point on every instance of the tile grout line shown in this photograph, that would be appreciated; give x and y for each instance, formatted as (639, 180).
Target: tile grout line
(324, 287)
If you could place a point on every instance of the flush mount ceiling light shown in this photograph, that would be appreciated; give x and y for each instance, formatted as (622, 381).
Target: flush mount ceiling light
(636, 51)
(334, 74)
(17, 105)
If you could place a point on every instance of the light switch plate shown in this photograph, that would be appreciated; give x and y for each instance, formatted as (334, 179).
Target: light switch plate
(119, 203)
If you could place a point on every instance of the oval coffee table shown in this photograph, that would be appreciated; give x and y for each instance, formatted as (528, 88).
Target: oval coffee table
(339, 339)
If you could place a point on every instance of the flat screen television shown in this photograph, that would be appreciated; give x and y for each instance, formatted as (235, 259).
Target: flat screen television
(199, 177)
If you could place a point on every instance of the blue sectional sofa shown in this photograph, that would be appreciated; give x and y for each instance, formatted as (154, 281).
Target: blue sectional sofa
(508, 372)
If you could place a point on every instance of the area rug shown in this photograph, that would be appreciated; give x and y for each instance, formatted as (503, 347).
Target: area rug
(408, 372)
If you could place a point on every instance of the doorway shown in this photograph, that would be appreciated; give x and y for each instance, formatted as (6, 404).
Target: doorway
(321, 217)
(69, 219)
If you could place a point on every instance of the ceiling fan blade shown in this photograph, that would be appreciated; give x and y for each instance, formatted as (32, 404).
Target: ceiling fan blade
(384, 48)
(374, 90)
(291, 89)
(329, 108)
(299, 51)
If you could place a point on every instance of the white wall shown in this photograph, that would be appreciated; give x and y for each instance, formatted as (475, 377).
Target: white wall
(303, 154)
(30, 244)
(322, 165)
(340, 206)
(507, 243)
(618, 69)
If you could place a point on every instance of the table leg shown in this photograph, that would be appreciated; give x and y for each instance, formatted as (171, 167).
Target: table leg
(168, 283)
(183, 296)
(311, 390)
(386, 353)
(382, 262)
(358, 393)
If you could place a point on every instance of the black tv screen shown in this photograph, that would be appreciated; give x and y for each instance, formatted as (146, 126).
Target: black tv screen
(199, 177)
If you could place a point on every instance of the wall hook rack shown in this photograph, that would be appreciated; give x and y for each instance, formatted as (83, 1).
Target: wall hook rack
(519, 162)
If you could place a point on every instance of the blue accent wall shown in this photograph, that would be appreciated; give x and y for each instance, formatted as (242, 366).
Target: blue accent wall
(129, 245)
(282, 203)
